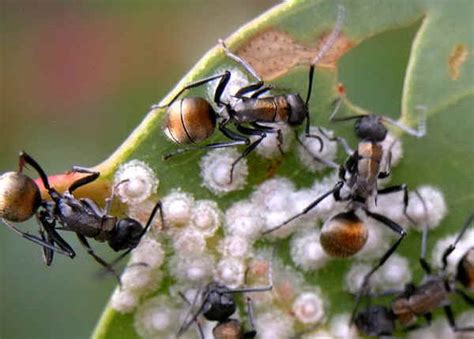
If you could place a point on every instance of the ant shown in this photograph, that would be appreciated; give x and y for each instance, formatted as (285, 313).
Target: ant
(344, 234)
(193, 119)
(421, 300)
(20, 199)
(218, 304)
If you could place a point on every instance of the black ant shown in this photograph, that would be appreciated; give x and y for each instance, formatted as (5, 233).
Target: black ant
(423, 299)
(20, 199)
(193, 119)
(218, 304)
(344, 234)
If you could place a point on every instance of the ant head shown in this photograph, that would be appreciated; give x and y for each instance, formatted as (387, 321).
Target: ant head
(376, 320)
(190, 120)
(127, 234)
(370, 128)
(298, 109)
(20, 197)
(219, 304)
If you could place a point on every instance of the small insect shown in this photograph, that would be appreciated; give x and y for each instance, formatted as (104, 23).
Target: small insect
(217, 303)
(415, 301)
(193, 119)
(344, 234)
(20, 199)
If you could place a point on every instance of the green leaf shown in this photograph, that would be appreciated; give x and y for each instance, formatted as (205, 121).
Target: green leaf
(391, 57)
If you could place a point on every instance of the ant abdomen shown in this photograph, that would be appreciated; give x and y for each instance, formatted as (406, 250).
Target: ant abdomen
(465, 270)
(229, 329)
(343, 235)
(190, 120)
(20, 197)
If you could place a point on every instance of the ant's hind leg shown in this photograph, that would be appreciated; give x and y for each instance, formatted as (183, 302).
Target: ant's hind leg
(451, 247)
(37, 240)
(452, 322)
(93, 175)
(397, 229)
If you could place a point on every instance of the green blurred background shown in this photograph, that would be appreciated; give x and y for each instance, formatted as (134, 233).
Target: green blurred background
(76, 79)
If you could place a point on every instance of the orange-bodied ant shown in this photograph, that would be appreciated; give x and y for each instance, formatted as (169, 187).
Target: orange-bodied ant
(193, 119)
(20, 199)
(344, 234)
(422, 299)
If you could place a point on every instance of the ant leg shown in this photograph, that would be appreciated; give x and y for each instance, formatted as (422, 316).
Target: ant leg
(452, 323)
(252, 333)
(209, 146)
(340, 140)
(93, 175)
(246, 152)
(468, 299)
(236, 138)
(48, 254)
(398, 188)
(424, 238)
(90, 251)
(222, 83)
(24, 159)
(250, 88)
(397, 229)
(201, 332)
(388, 163)
(36, 240)
(158, 207)
(308, 208)
(451, 247)
(50, 228)
(186, 323)
(428, 317)
(239, 60)
(262, 90)
(260, 131)
(109, 200)
(307, 117)
(326, 162)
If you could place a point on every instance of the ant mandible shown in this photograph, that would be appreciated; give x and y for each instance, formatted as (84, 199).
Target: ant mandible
(423, 299)
(193, 119)
(20, 199)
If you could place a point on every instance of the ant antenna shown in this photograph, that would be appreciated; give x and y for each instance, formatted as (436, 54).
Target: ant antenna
(328, 44)
(331, 39)
(420, 132)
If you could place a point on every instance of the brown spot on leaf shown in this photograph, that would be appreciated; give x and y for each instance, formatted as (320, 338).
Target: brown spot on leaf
(273, 53)
(457, 57)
